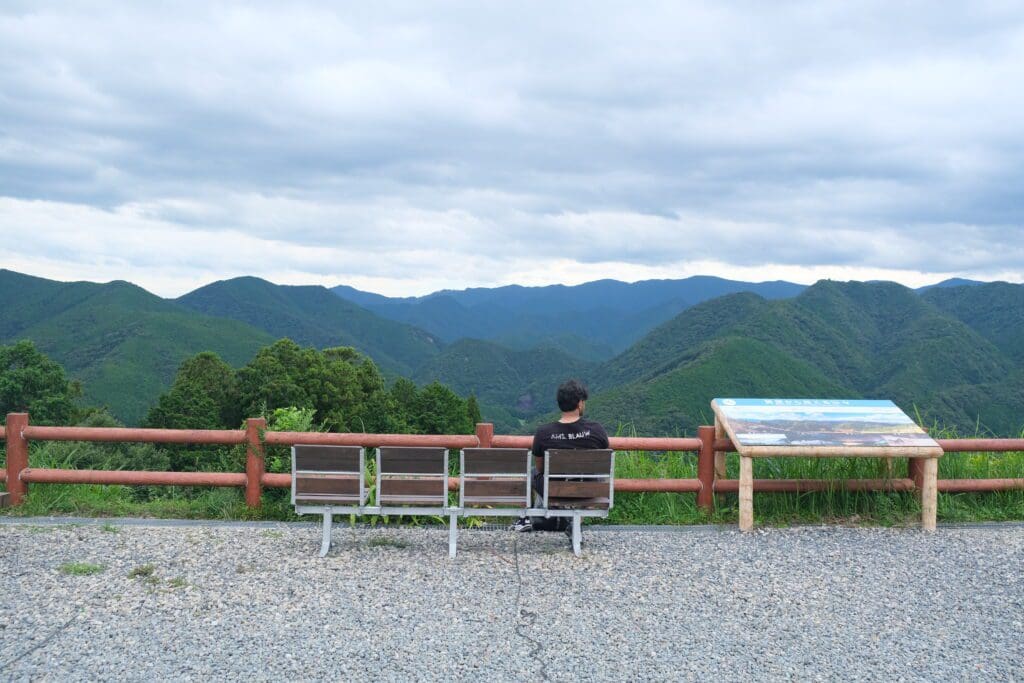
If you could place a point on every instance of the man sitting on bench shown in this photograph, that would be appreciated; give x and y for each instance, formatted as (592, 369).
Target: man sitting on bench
(570, 432)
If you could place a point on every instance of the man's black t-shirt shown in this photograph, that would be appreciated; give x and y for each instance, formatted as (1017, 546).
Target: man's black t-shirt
(576, 435)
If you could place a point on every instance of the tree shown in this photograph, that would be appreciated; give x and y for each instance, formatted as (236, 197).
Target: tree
(439, 410)
(343, 386)
(204, 395)
(473, 409)
(33, 383)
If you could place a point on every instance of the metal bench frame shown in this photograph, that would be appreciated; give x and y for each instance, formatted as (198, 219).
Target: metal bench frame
(577, 514)
(463, 511)
(328, 511)
(454, 512)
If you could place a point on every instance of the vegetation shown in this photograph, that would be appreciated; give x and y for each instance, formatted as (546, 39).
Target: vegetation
(31, 382)
(316, 317)
(122, 343)
(837, 339)
(81, 568)
(513, 386)
(951, 355)
(630, 508)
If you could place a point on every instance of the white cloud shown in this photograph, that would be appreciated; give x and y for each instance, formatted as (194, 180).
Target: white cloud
(408, 148)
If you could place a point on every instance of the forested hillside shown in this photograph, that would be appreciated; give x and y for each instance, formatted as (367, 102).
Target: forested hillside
(512, 386)
(871, 340)
(953, 352)
(314, 316)
(591, 321)
(123, 343)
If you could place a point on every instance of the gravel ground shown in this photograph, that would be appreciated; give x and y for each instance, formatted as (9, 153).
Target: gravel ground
(387, 604)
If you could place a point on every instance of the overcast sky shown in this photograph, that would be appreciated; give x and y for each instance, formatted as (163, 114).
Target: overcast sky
(411, 147)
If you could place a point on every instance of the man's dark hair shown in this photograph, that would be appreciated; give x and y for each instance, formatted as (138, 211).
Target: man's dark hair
(570, 394)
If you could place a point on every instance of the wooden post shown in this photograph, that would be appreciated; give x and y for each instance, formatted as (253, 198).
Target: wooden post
(484, 434)
(720, 455)
(706, 469)
(254, 461)
(17, 456)
(914, 471)
(746, 493)
(929, 493)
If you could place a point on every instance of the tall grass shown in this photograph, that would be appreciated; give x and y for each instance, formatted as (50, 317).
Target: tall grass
(885, 508)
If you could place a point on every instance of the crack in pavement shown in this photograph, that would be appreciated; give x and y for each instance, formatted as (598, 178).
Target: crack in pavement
(529, 617)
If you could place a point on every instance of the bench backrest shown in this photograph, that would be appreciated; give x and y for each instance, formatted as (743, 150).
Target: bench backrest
(328, 475)
(494, 477)
(579, 479)
(412, 476)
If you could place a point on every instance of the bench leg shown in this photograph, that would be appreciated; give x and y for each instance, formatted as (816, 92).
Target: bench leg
(746, 493)
(453, 534)
(929, 493)
(577, 534)
(325, 545)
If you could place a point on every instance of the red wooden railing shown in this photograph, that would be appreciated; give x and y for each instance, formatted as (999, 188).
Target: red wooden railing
(18, 475)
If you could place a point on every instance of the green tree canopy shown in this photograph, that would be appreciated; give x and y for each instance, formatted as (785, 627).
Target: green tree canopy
(344, 387)
(30, 382)
(204, 395)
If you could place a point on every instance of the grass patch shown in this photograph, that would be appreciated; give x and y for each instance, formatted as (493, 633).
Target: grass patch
(142, 571)
(385, 542)
(177, 582)
(81, 568)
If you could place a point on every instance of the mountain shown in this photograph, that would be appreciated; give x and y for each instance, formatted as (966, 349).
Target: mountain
(314, 316)
(608, 314)
(994, 310)
(872, 340)
(122, 342)
(511, 386)
(951, 282)
(679, 398)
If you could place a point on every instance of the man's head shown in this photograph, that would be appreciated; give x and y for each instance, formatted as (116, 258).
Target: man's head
(571, 396)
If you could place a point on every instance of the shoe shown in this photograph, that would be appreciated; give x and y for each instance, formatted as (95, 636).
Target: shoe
(522, 524)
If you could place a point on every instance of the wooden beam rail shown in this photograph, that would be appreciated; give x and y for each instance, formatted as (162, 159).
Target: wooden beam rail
(18, 433)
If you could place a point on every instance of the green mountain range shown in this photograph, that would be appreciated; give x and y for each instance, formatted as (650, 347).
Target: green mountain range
(313, 316)
(123, 343)
(952, 352)
(869, 340)
(591, 321)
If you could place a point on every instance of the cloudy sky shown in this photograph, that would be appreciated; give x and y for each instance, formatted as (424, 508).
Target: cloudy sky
(410, 147)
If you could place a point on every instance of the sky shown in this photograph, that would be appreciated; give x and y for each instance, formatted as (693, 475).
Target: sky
(403, 148)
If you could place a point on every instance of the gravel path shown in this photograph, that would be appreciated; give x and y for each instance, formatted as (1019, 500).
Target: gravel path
(387, 604)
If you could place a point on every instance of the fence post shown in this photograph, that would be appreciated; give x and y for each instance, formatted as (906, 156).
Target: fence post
(706, 469)
(485, 433)
(17, 456)
(254, 461)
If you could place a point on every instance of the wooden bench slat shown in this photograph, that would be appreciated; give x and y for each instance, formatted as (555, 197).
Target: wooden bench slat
(495, 460)
(578, 489)
(496, 487)
(562, 461)
(326, 484)
(414, 487)
(325, 499)
(327, 458)
(395, 460)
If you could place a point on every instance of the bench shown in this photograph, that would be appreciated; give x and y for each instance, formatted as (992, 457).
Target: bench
(493, 482)
(578, 484)
(328, 480)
